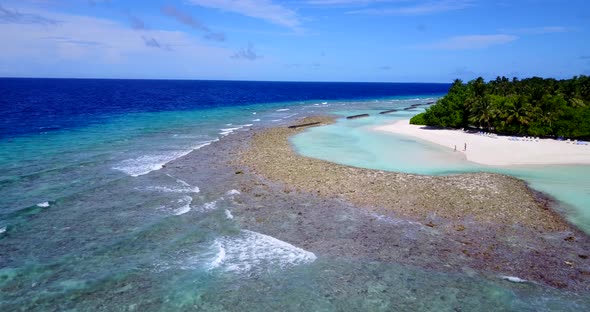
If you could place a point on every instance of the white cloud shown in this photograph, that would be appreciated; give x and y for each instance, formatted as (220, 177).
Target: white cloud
(422, 8)
(471, 42)
(261, 9)
(94, 42)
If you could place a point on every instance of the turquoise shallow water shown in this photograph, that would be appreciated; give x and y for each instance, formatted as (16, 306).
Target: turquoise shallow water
(355, 143)
(89, 222)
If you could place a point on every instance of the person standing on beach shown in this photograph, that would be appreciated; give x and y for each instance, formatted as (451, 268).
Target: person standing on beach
(465, 147)
(455, 148)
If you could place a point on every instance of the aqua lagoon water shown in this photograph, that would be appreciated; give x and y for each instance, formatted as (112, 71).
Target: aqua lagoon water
(356, 143)
(87, 222)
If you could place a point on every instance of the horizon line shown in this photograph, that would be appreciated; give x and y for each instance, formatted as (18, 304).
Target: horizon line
(228, 80)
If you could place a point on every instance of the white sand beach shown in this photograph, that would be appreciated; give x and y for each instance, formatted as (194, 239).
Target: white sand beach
(497, 150)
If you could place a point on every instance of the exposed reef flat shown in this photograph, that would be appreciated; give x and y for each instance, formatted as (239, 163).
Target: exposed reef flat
(487, 222)
(485, 197)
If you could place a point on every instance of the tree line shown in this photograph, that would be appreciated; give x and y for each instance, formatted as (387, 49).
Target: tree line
(531, 107)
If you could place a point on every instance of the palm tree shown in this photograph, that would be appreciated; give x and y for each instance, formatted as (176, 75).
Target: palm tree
(517, 111)
(548, 108)
(479, 87)
(483, 112)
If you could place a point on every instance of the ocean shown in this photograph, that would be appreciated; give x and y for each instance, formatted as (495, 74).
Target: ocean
(114, 196)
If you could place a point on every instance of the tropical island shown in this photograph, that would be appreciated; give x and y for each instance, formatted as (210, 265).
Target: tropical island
(530, 107)
(490, 222)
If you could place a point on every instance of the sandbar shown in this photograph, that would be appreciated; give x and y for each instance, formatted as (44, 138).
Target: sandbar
(484, 221)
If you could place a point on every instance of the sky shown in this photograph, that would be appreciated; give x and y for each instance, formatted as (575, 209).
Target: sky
(288, 40)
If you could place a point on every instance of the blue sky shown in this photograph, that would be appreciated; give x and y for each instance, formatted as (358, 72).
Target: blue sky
(305, 40)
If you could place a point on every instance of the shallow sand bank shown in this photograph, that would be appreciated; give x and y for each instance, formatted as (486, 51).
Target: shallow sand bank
(483, 197)
(496, 150)
(488, 222)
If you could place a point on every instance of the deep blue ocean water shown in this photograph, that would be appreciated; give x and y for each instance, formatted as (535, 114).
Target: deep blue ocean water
(88, 221)
(30, 106)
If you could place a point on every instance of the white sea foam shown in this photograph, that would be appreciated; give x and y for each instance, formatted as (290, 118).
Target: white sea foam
(2, 230)
(219, 257)
(180, 181)
(233, 192)
(185, 188)
(325, 103)
(165, 189)
(257, 119)
(254, 113)
(228, 214)
(282, 110)
(251, 252)
(228, 131)
(513, 279)
(186, 205)
(148, 163)
(275, 120)
(43, 204)
(193, 189)
(209, 206)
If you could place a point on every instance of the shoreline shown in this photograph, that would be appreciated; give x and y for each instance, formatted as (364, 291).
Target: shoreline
(467, 194)
(492, 223)
(496, 150)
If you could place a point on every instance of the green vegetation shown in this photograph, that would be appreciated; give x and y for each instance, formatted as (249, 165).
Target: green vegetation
(418, 120)
(532, 107)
